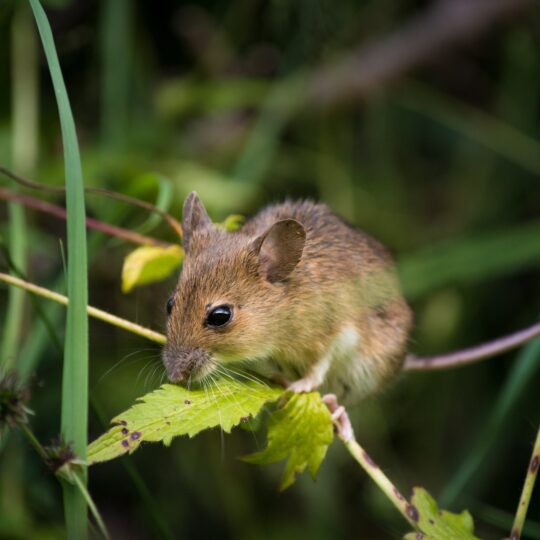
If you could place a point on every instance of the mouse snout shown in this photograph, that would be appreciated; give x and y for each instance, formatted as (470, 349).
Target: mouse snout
(183, 362)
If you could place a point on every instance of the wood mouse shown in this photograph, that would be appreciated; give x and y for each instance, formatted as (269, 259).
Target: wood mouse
(296, 289)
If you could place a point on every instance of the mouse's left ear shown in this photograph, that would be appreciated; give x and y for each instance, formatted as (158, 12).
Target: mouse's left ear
(280, 249)
(194, 216)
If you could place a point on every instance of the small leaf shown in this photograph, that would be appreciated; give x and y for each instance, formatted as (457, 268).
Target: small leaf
(300, 432)
(172, 410)
(232, 223)
(435, 524)
(148, 264)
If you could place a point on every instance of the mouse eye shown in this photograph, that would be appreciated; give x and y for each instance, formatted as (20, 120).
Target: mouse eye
(219, 316)
(170, 304)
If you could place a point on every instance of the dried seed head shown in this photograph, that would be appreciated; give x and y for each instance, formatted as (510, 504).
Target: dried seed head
(61, 457)
(13, 399)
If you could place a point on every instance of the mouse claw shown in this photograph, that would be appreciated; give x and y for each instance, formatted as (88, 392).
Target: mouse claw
(340, 418)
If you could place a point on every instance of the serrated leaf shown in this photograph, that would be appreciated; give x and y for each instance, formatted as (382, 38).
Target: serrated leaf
(435, 524)
(148, 264)
(172, 410)
(300, 432)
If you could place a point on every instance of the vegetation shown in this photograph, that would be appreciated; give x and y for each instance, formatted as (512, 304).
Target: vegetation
(417, 122)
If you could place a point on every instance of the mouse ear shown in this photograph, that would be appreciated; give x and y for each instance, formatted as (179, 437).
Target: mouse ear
(194, 217)
(280, 249)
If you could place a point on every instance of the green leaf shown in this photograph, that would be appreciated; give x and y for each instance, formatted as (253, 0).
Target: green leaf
(232, 223)
(172, 410)
(148, 264)
(435, 524)
(300, 432)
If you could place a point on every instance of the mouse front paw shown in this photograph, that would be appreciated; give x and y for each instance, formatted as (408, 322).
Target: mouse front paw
(302, 385)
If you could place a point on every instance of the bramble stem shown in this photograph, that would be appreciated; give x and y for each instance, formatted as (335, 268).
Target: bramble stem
(526, 493)
(407, 510)
(91, 223)
(92, 311)
(472, 354)
(174, 224)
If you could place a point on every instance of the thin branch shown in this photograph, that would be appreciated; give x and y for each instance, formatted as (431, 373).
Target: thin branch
(472, 354)
(92, 311)
(443, 25)
(174, 224)
(406, 509)
(59, 212)
(345, 432)
(526, 493)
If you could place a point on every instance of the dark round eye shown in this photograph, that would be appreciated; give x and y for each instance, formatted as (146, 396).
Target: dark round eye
(170, 304)
(219, 316)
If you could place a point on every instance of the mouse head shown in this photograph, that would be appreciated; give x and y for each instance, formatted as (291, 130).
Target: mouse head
(231, 296)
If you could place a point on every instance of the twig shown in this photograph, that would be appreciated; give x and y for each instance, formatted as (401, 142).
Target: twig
(526, 493)
(406, 509)
(32, 439)
(59, 212)
(92, 311)
(344, 431)
(174, 224)
(443, 25)
(472, 354)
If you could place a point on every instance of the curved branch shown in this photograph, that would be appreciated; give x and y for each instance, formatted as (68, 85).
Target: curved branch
(443, 25)
(59, 212)
(173, 223)
(472, 354)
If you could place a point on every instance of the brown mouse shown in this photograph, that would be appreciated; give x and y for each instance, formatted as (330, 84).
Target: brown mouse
(296, 288)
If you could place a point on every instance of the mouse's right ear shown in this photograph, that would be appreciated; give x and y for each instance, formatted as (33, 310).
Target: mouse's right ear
(194, 216)
(279, 249)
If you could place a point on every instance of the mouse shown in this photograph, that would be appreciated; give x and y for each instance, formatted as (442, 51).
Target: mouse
(297, 291)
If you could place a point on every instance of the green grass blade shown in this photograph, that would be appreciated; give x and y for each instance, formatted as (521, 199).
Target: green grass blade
(526, 363)
(24, 69)
(471, 260)
(116, 32)
(75, 374)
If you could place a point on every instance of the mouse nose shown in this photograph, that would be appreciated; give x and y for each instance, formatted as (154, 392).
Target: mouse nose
(181, 362)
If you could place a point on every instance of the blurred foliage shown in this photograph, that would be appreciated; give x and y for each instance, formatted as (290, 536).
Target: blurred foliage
(443, 167)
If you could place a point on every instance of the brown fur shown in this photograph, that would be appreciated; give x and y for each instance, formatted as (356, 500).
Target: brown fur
(296, 275)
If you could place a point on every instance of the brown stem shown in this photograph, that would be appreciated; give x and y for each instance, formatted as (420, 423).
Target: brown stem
(174, 224)
(371, 67)
(59, 212)
(472, 354)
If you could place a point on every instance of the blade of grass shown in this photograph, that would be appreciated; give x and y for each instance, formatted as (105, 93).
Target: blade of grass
(116, 24)
(526, 363)
(482, 128)
(75, 373)
(24, 71)
(484, 257)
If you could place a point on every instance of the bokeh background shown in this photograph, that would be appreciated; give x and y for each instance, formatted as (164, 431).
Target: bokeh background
(416, 120)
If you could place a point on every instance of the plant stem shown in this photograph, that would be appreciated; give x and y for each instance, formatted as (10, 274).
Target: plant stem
(407, 510)
(33, 441)
(173, 223)
(473, 354)
(91, 223)
(95, 512)
(92, 311)
(76, 479)
(526, 493)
